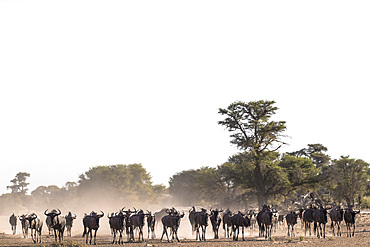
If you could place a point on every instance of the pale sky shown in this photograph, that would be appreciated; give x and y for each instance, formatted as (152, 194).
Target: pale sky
(87, 83)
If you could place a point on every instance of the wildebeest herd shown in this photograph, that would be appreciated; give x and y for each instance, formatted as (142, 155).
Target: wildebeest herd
(130, 222)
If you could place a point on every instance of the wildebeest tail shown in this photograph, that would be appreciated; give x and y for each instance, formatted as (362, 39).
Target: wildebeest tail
(332, 225)
(83, 234)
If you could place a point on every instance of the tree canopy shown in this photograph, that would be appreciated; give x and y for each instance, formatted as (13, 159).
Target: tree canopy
(259, 137)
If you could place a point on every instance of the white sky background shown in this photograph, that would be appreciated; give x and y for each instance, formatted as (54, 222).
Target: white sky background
(87, 83)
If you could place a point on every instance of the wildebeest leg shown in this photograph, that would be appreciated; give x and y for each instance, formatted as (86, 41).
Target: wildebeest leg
(90, 232)
(113, 232)
(141, 233)
(175, 232)
(340, 232)
(289, 229)
(270, 231)
(243, 233)
(95, 236)
(354, 228)
(165, 231)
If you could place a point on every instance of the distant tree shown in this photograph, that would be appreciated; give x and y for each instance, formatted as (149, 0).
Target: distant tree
(316, 152)
(301, 171)
(184, 188)
(124, 183)
(349, 178)
(19, 184)
(256, 135)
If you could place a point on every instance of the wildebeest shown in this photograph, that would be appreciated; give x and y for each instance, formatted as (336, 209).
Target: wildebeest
(192, 212)
(300, 216)
(150, 220)
(349, 218)
(159, 215)
(171, 220)
(253, 220)
(13, 223)
(320, 218)
(261, 226)
(35, 224)
(128, 223)
(226, 223)
(201, 221)
(291, 221)
(69, 223)
(308, 219)
(137, 221)
(25, 225)
(281, 220)
(58, 223)
(336, 215)
(239, 220)
(91, 222)
(267, 222)
(215, 219)
(116, 223)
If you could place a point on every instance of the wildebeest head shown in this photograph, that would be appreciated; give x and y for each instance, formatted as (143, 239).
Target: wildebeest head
(52, 215)
(31, 219)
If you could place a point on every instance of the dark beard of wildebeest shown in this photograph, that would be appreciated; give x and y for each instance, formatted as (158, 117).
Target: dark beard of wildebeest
(91, 222)
(58, 223)
(266, 220)
(201, 221)
(116, 223)
(69, 223)
(308, 219)
(13, 223)
(215, 219)
(192, 212)
(35, 224)
(150, 220)
(349, 218)
(320, 218)
(336, 216)
(172, 221)
(48, 224)
(25, 225)
(291, 221)
(226, 223)
(239, 220)
(137, 221)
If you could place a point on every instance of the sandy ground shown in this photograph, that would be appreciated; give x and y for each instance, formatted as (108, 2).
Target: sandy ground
(279, 238)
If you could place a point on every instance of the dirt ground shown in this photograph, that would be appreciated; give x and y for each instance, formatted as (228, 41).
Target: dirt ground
(279, 238)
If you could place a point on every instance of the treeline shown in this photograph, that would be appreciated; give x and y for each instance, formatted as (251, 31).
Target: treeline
(232, 184)
(101, 187)
(258, 174)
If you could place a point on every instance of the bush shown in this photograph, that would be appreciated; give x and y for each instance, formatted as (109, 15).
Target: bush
(365, 202)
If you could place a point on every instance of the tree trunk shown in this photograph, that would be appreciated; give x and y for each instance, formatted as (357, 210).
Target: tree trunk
(262, 199)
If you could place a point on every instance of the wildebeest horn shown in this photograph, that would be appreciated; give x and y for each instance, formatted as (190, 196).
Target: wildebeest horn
(102, 213)
(59, 212)
(46, 213)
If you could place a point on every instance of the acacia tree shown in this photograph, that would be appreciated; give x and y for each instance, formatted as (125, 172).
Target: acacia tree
(255, 134)
(349, 178)
(19, 184)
